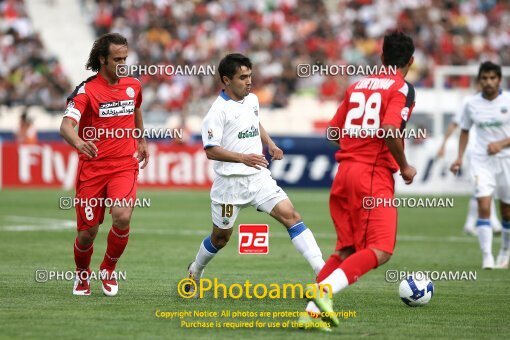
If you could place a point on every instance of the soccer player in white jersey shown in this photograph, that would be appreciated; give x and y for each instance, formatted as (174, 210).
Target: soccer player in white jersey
(472, 215)
(233, 137)
(489, 113)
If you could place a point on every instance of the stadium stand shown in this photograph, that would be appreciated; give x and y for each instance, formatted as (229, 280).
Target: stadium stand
(29, 74)
(278, 35)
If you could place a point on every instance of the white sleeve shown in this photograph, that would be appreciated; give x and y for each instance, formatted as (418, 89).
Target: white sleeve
(257, 113)
(212, 129)
(77, 105)
(465, 121)
(458, 114)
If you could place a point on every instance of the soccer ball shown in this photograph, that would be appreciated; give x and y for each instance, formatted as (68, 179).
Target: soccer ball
(416, 292)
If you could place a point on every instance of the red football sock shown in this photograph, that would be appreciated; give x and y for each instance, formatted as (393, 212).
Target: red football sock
(82, 255)
(117, 241)
(331, 264)
(359, 264)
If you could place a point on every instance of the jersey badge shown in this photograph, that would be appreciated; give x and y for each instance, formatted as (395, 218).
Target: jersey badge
(130, 92)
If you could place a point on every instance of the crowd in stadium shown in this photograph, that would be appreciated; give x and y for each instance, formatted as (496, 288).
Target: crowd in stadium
(277, 35)
(29, 74)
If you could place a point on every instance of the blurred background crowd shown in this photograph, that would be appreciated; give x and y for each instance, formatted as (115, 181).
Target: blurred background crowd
(276, 34)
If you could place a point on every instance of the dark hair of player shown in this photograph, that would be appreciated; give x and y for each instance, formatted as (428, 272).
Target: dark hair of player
(488, 66)
(398, 48)
(231, 63)
(101, 48)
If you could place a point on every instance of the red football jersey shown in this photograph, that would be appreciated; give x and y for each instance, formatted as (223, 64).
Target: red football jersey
(369, 104)
(100, 109)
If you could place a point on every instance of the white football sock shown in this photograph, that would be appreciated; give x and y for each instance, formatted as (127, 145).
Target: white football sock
(495, 223)
(484, 231)
(472, 214)
(337, 280)
(305, 243)
(505, 237)
(205, 254)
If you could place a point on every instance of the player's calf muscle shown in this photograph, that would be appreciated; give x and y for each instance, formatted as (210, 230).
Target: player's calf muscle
(505, 211)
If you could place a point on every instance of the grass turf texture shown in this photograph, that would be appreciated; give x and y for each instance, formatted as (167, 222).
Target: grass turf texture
(165, 238)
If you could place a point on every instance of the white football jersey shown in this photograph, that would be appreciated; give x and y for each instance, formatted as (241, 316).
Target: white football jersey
(457, 118)
(491, 120)
(234, 126)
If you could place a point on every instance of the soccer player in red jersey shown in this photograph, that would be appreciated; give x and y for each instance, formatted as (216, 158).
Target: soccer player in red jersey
(366, 232)
(107, 169)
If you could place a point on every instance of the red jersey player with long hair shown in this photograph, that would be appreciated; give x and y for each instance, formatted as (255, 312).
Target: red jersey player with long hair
(107, 167)
(366, 234)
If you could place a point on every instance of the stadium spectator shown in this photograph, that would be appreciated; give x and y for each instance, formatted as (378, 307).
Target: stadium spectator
(27, 133)
(279, 36)
(28, 74)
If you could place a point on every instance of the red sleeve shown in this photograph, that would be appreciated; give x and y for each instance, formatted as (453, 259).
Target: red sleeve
(339, 119)
(77, 106)
(398, 109)
(139, 98)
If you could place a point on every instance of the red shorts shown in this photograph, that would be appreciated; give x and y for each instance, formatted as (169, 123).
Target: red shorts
(97, 181)
(357, 223)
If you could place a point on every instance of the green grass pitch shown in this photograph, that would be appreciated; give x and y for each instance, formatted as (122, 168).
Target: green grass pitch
(35, 234)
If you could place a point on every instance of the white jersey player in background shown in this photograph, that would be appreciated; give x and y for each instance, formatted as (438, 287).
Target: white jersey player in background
(489, 113)
(472, 215)
(233, 137)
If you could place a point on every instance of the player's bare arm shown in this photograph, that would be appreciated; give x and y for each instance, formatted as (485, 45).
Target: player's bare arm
(397, 150)
(275, 152)
(449, 132)
(143, 151)
(495, 147)
(217, 153)
(68, 132)
(463, 141)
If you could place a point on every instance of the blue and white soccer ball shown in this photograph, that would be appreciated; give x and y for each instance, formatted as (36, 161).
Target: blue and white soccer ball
(416, 292)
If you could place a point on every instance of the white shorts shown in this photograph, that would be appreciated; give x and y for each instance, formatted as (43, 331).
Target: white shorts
(491, 176)
(231, 194)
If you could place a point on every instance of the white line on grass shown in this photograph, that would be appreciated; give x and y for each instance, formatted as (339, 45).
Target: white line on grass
(50, 224)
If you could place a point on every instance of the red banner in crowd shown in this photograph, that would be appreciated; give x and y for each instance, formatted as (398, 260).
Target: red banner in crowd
(54, 165)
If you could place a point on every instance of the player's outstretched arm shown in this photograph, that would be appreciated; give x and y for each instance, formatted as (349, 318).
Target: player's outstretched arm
(69, 134)
(396, 148)
(463, 141)
(217, 153)
(275, 152)
(143, 150)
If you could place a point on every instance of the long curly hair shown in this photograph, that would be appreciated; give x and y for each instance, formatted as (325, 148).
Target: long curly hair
(101, 49)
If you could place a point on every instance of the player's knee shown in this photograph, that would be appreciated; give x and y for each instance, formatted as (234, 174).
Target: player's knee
(220, 241)
(346, 252)
(122, 219)
(290, 217)
(87, 237)
(382, 256)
